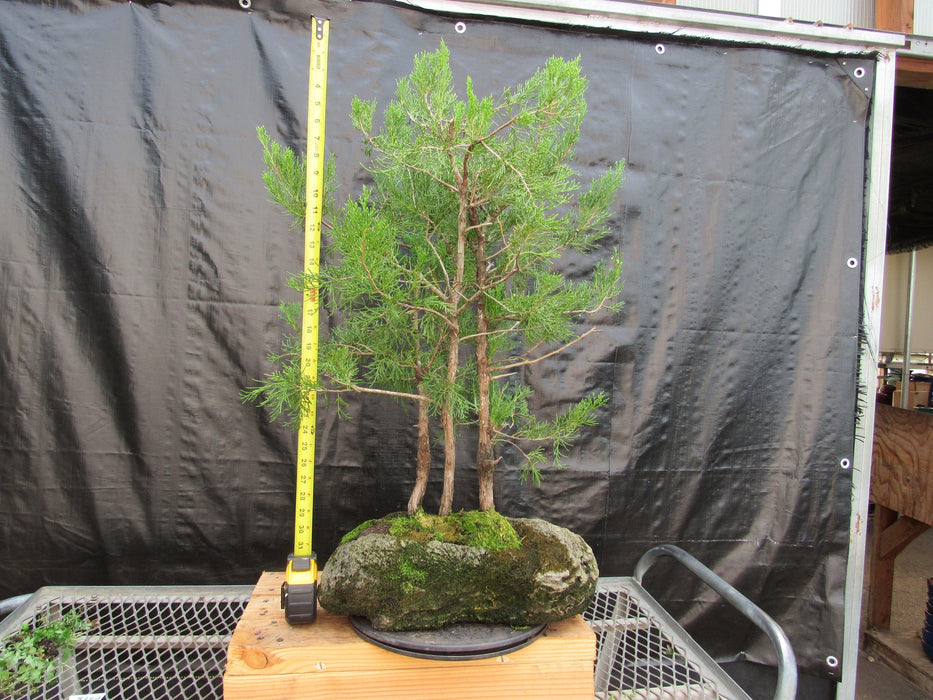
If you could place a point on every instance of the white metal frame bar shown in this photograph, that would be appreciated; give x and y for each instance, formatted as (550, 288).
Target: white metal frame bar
(876, 218)
(674, 21)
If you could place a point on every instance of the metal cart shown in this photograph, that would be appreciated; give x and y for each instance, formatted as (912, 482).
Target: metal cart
(644, 653)
(170, 642)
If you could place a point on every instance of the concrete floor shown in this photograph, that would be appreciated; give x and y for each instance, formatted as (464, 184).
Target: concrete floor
(892, 665)
(878, 681)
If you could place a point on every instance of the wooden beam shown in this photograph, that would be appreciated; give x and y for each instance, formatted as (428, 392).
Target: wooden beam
(895, 16)
(890, 536)
(898, 535)
(913, 71)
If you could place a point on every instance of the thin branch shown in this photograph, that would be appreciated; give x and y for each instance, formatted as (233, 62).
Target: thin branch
(523, 438)
(495, 132)
(501, 331)
(368, 390)
(425, 309)
(600, 305)
(427, 239)
(504, 438)
(431, 175)
(410, 166)
(525, 363)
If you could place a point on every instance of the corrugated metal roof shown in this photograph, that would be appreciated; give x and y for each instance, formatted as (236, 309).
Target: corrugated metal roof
(858, 13)
(923, 17)
(681, 21)
(746, 7)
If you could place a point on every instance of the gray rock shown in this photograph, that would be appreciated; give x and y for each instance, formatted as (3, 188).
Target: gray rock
(399, 584)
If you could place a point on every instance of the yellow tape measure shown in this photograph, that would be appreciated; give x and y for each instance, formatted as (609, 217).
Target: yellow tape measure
(310, 324)
(299, 592)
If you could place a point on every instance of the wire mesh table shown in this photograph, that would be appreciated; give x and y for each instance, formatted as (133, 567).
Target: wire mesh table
(170, 643)
(144, 643)
(642, 652)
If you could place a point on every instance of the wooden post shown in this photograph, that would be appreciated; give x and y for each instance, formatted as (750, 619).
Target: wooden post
(881, 576)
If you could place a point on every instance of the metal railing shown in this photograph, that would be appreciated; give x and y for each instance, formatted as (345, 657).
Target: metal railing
(787, 665)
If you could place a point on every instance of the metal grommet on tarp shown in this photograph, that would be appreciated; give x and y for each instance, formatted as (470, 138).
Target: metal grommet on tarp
(859, 73)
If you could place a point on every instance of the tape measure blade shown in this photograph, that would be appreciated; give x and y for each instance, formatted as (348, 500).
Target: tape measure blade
(317, 105)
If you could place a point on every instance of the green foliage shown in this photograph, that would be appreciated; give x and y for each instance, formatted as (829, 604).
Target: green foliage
(453, 248)
(29, 657)
(285, 177)
(559, 433)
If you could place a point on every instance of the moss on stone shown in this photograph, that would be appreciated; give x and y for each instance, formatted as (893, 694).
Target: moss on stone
(411, 576)
(483, 529)
(488, 530)
(418, 527)
(357, 531)
(398, 582)
(544, 555)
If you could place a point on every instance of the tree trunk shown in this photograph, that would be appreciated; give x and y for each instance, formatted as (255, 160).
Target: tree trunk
(454, 301)
(447, 407)
(424, 458)
(447, 421)
(485, 457)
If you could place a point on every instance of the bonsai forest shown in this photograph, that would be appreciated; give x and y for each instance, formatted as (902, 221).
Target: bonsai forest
(439, 276)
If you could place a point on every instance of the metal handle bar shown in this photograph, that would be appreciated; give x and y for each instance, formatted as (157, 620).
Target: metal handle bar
(10, 605)
(787, 664)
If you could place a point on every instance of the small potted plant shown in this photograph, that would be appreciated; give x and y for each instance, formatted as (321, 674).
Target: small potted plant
(441, 279)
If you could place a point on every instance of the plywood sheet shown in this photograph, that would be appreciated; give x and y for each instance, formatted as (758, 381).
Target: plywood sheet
(902, 462)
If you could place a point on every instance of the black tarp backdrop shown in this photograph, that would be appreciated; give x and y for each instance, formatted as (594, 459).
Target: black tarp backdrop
(142, 264)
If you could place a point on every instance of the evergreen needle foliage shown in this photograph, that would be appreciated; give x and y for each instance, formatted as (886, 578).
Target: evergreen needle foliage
(441, 274)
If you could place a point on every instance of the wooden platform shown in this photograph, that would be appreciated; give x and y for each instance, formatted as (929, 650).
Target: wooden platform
(902, 491)
(268, 658)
